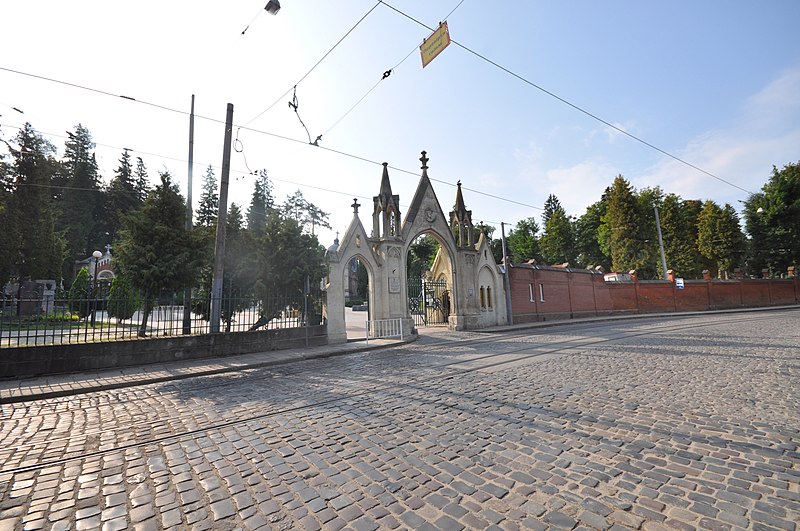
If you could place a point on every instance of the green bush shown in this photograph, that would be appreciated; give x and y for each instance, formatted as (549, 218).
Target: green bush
(79, 294)
(122, 299)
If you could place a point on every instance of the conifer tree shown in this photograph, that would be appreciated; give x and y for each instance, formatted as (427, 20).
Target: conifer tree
(621, 222)
(588, 249)
(82, 202)
(557, 243)
(121, 196)
(678, 233)
(141, 180)
(156, 252)
(208, 210)
(39, 247)
(261, 203)
(720, 237)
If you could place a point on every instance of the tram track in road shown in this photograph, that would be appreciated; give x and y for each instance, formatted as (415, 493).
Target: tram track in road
(453, 368)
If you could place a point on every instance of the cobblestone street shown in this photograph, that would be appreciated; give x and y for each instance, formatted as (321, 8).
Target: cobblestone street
(682, 423)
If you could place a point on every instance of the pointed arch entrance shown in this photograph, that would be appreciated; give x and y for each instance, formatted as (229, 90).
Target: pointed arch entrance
(463, 265)
(429, 283)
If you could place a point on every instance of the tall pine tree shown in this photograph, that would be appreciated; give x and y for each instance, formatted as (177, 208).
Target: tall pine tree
(261, 203)
(208, 209)
(40, 248)
(82, 201)
(621, 222)
(121, 196)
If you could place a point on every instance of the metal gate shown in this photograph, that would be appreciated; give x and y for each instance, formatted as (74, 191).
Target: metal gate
(428, 301)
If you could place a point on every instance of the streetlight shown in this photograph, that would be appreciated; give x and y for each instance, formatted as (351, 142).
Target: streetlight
(96, 255)
(272, 7)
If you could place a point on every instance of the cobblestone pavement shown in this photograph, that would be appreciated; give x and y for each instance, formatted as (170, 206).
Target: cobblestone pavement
(682, 423)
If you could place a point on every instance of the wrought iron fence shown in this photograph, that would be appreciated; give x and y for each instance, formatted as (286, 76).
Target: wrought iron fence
(59, 321)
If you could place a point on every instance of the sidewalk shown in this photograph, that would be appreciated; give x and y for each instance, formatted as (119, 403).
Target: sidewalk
(26, 389)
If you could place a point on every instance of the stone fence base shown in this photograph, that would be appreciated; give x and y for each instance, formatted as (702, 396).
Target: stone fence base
(19, 362)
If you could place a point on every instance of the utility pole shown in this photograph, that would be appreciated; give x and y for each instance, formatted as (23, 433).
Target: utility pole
(661, 246)
(506, 277)
(219, 242)
(187, 293)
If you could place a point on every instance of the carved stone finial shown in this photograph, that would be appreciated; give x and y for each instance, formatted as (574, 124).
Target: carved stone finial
(355, 205)
(424, 159)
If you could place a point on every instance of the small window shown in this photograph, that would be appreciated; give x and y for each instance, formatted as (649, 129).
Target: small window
(541, 292)
(489, 297)
(530, 291)
(483, 299)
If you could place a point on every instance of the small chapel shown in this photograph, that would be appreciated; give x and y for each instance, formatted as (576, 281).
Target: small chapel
(474, 294)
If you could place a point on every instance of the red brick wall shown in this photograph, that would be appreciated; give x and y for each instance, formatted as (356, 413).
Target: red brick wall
(623, 296)
(784, 291)
(727, 294)
(693, 297)
(571, 293)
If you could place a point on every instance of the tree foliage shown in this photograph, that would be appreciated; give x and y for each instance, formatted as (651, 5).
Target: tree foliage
(79, 294)
(261, 203)
(283, 256)
(421, 255)
(587, 244)
(621, 222)
(37, 246)
(306, 214)
(121, 197)
(208, 209)
(774, 230)
(82, 203)
(155, 251)
(522, 242)
(719, 236)
(123, 301)
(557, 243)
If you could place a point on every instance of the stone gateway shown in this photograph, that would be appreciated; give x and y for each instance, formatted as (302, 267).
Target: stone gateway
(464, 262)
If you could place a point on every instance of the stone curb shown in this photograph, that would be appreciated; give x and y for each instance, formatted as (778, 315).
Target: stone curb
(277, 359)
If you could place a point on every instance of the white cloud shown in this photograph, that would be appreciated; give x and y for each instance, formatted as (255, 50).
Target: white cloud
(580, 185)
(766, 133)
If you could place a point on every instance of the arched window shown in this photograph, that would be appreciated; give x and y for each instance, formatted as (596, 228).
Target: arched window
(483, 299)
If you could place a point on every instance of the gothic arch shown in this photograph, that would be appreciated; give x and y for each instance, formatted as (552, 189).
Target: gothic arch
(385, 255)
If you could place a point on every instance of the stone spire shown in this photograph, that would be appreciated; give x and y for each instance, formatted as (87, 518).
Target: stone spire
(461, 221)
(386, 212)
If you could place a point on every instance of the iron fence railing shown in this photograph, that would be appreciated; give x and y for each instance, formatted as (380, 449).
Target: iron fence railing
(60, 321)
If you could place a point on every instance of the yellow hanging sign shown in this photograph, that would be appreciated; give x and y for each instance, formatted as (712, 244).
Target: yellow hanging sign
(433, 45)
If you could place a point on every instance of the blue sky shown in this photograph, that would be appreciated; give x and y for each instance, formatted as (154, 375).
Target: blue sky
(716, 83)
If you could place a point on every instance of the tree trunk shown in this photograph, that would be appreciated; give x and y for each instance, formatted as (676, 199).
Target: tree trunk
(148, 307)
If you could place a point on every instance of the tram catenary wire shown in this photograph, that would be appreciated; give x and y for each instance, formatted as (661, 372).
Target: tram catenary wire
(452, 373)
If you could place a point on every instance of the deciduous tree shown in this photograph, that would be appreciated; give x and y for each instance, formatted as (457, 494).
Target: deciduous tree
(522, 242)
(774, 229)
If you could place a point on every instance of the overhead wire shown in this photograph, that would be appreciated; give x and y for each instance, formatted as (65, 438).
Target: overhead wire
(201, 164)
(289, 139)
(315, 64)
(570, 104)
(385, 75)
(460, 45)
